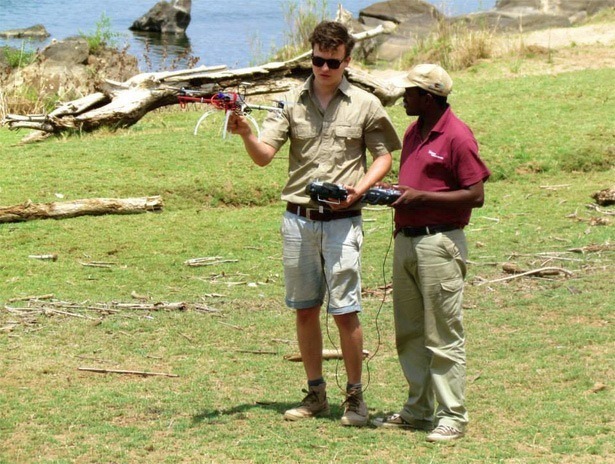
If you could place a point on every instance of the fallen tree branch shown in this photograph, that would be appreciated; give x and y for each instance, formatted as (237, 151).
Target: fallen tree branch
(120, 371)
(122, 104)
(27, 298)
(601, 211)
(593, 248)
(48, 257)
(542, 272)
(326, 355)
(94, 206)
(208, 261)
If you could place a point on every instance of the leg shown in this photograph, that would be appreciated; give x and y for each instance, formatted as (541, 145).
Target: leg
(442, 272)
(409, 314)
(351, 341)
(309, 337)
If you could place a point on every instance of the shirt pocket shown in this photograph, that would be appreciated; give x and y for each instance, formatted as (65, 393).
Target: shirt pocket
(349, 138)
(304, 132)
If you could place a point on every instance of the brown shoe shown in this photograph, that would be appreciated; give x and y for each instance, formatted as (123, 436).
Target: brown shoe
(314, 404)
(355, 411)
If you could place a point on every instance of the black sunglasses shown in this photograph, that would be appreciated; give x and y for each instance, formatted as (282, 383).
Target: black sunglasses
(332, 63)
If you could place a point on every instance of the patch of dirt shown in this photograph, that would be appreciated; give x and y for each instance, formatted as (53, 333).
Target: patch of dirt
(568, 49)
(558, 50)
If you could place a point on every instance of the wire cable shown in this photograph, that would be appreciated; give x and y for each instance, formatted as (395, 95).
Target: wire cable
(381, 305)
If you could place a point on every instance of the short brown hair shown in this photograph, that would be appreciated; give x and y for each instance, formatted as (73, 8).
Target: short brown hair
(329, 35)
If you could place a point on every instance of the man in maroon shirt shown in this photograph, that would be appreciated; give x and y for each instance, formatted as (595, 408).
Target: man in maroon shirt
(441, 180)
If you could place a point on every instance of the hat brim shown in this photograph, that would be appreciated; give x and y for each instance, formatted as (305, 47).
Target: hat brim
(402, 82)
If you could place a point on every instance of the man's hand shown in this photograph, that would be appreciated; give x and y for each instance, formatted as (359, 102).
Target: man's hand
(351, 198)
(408, 195)
(238, 125)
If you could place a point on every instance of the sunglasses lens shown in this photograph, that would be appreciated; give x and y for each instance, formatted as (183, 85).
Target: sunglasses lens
(333, 64)
(319, 62)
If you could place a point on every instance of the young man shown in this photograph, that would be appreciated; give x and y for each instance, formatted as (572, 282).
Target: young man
(330, 124)
(441, 179)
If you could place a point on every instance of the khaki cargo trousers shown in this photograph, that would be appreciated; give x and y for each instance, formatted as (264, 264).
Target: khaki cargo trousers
(428, 279)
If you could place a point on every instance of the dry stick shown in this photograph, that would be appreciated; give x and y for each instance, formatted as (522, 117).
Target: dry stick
(256, 352)
(326, 355)
(208, 261)
(65, 313)
(231, 325)
(119, 371)
(26, 298)
(597, 209)
(50, 257)
(523, 274)
(97, 264)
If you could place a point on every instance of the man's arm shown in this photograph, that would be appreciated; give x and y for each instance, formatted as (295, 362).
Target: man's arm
(260, 152)
(472, 196)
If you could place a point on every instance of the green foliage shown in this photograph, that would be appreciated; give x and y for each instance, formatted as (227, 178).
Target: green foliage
(301, 19)
(103, 36)
(18, 58)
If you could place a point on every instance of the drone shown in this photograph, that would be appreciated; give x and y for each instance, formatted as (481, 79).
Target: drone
(229, 102)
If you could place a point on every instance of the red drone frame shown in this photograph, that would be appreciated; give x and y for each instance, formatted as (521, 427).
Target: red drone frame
(229, 102)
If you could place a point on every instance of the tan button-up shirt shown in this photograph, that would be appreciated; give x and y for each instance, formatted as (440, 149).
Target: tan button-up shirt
(329, 145)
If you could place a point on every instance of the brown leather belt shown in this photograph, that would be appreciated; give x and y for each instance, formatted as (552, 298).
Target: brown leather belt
(314, 214)
(426, 230)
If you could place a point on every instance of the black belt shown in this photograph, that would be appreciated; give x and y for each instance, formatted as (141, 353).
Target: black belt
(426, 230)
(314, 214)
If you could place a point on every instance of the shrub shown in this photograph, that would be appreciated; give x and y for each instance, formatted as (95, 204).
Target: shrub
(102, 37)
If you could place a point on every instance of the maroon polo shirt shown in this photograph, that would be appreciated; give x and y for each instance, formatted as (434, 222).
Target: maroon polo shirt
(446, 160)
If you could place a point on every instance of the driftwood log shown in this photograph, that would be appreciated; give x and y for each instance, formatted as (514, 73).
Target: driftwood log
(68, 209)
(122, 104)
(326, 355)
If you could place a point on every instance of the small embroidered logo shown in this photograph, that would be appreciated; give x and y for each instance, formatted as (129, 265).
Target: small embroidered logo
(433, 154)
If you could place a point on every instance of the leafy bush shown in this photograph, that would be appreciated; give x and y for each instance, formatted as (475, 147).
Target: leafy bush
(18, 57)
(102, 37)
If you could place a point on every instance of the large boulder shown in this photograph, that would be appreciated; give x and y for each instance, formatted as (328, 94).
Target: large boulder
(37, 31)
(62, 71)
(72, 50)
(165, 17)
(414, 19)
(558, 7)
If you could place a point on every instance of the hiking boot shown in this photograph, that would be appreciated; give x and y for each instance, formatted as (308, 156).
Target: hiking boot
(444, 433)
(395, 421)
(355, 409)
(314, 404)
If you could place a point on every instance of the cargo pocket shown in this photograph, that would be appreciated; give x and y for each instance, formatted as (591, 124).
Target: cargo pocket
(451, 298)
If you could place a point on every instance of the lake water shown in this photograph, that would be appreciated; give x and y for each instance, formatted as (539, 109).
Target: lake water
(236, 33)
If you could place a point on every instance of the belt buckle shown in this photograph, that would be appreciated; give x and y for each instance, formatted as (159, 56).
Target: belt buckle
(313, 211)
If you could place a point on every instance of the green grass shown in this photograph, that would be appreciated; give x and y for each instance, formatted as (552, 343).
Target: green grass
(539, 349)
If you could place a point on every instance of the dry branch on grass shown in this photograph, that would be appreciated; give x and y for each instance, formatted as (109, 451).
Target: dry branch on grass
(29, 211)
(208, 261)
(129, 372)
(326, 355)
(518, 273)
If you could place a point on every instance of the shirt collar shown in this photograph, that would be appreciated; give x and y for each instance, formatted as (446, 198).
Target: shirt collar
(443, 121)
(344, 86)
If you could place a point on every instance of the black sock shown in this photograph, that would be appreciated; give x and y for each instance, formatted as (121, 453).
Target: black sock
(316, 382)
